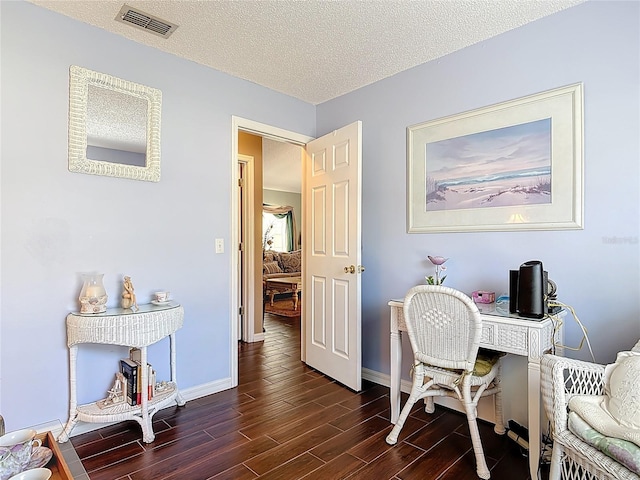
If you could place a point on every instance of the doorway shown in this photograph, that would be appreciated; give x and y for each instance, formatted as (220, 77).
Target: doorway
(281, 226)
(278, 219)
(331, 323)
(251, 274)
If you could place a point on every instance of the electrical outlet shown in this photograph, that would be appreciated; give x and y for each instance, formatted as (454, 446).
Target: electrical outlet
(219, 245)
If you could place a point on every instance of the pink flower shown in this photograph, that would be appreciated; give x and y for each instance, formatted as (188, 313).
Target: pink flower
(437, 260)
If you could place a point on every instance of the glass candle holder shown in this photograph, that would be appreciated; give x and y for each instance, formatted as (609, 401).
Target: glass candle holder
(93, 296)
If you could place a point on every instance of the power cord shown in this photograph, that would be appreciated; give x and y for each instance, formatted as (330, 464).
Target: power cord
(546, 450)
(519, 435)
(558, 323)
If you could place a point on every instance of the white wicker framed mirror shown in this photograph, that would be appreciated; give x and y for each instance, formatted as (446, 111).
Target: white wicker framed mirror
(114, 126)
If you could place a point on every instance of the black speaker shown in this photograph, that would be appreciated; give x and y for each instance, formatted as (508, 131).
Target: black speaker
(530, 299)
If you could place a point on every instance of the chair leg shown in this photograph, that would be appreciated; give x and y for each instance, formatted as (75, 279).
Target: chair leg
(499, 426)
(481, 464)
(429, 405)
(392, 438)
(414, 396)
(556, 462)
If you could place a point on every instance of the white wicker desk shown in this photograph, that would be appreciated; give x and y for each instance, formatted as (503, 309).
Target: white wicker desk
(118, 326)
(503, 333)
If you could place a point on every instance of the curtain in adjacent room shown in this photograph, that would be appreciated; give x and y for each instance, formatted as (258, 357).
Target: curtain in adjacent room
(284, 211)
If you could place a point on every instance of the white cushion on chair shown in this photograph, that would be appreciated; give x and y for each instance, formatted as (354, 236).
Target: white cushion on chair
(617, 413)
(622, 385)
(627, 453)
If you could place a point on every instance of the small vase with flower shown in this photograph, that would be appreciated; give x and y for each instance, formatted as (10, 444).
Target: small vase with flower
(439, 264)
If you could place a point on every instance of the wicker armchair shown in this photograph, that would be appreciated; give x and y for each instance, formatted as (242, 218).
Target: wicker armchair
(445, 328)
(572, 458)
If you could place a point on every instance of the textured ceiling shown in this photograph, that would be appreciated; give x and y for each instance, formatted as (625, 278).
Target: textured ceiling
(315, 50)
(281, 168)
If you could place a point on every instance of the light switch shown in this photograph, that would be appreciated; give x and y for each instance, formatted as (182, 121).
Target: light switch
(219, 245)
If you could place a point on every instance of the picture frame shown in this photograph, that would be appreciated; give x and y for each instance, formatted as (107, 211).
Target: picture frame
(516, 165)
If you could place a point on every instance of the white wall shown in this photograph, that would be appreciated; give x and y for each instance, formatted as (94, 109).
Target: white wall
(56, 223)
(596, 43)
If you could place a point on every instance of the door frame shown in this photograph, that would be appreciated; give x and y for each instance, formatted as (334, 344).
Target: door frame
(248, 265)
(275, 133)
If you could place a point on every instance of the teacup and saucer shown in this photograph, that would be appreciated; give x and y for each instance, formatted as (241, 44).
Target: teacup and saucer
(16, 449)
(160, 298)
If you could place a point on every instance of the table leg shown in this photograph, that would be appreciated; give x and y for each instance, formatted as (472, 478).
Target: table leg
(73, 399)
(295, 298)
(174, 377)
(396, 365)
(533, 374)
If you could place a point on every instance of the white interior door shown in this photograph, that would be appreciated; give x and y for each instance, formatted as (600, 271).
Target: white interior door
(332, 255)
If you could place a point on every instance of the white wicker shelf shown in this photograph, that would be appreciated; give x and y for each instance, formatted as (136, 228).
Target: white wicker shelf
(118, 326)
(124, 411)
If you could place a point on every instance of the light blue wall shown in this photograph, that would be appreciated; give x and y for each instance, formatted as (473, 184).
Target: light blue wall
(56, 223)
(596, 269)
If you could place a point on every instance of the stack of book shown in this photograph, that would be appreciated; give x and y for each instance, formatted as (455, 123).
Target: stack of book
(131, 368)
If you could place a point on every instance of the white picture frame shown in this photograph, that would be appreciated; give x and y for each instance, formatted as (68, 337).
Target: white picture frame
(559, 207)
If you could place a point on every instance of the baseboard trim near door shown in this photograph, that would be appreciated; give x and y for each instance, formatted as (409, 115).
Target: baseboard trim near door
(385, 380)
(257, 337)
(382, 379)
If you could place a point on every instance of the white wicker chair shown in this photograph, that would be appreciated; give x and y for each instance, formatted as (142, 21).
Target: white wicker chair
(572, 458)
(445, 328)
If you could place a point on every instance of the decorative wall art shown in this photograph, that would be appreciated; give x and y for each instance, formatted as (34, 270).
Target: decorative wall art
(516, 165)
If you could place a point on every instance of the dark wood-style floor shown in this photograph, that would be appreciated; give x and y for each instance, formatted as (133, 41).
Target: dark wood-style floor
(287, 421)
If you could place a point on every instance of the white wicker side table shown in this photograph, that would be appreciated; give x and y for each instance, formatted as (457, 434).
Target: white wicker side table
(117, 326)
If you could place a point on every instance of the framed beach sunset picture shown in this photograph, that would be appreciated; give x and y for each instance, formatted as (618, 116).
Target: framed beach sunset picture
(516, 165)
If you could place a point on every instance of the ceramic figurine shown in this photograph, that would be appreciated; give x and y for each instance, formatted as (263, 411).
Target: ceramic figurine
(128, 296)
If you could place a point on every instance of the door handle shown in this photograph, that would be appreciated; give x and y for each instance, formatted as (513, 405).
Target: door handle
(353, 269)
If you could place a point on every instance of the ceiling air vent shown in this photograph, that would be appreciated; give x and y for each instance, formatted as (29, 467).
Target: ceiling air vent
(144, 21)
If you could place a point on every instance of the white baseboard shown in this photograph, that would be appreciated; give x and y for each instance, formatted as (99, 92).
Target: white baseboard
(206, 389)
(384, 379)
(54, 426)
